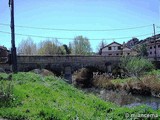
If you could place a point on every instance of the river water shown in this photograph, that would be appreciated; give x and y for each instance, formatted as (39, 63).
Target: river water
(124, 99)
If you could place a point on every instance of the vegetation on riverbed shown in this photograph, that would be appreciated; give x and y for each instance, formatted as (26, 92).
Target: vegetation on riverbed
(148, 84)
(50, 98)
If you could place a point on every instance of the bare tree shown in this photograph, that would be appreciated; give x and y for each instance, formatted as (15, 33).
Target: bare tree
(100, 46)
(27, 47)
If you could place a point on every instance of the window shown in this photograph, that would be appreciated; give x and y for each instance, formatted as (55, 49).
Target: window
(150, 52)
(159, 46)
(109, 48)
(150, 47)
(128, 53)
(117, 54)
(119, 47)
(110, 54)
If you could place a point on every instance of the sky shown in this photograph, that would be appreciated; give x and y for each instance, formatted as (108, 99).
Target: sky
(80, 15)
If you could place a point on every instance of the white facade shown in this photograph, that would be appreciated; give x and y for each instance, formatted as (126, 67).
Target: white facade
(116, 49)
(113, 49)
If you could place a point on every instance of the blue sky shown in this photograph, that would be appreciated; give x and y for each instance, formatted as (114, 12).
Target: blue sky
(80, 14)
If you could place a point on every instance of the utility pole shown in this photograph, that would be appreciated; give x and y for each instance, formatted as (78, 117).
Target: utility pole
(13, 49)
(154, 37)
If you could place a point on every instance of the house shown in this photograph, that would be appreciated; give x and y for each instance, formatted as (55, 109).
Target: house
(3, 51)
(113, 49)
(129, 51)
(151, 45)
(117, 49)
(3, 54)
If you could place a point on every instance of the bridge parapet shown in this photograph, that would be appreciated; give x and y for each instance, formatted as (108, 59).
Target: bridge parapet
(64, 58)
(57, 61)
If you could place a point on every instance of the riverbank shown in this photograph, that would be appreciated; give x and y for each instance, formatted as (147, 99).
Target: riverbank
(38, 97)
(148, 85)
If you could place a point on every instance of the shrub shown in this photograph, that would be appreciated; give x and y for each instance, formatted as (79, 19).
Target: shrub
(83, 78)
(136, 66)
(101, 80)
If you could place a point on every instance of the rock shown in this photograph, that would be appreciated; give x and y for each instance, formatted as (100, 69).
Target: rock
(43, 72)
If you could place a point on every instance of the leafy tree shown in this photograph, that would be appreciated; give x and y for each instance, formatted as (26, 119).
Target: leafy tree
(68, 50)
(62, 50)
(136, 66)
(142, 50)
(81, 45)
(27, 47)
(50, 47)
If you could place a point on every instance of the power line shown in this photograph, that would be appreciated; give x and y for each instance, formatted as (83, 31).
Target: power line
(127, 37)
(56, 29)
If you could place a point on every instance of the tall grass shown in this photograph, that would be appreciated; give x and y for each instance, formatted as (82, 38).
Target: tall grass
(6, 90)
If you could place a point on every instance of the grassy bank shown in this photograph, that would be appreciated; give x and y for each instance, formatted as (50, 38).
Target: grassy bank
(50, 98)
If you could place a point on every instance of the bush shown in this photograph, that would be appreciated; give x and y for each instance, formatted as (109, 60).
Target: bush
(83, 78)
(136, 66)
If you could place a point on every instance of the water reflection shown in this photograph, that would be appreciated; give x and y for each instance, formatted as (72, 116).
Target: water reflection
(124, 99)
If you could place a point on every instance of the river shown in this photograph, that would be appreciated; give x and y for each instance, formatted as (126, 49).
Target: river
(124, 99)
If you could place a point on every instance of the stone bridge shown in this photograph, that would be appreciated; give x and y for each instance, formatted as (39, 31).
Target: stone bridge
(62, 62)
(65, 63)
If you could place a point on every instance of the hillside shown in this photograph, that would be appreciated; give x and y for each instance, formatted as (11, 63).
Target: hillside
(50, 98)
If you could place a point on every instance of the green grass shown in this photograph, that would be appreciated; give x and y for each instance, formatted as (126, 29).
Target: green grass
(50, 98)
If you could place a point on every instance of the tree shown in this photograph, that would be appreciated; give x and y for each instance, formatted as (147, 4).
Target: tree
(50, 47)
(81, 45)
(27, 47)
(68, 50)
(100, 46)
(136, 66)
(142, 50)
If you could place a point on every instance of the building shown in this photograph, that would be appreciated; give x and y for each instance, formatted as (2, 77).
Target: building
(3, 54)
(117, 49)
(113, 49)
(151, 45)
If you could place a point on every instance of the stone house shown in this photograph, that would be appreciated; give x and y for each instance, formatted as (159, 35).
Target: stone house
(151, 45)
